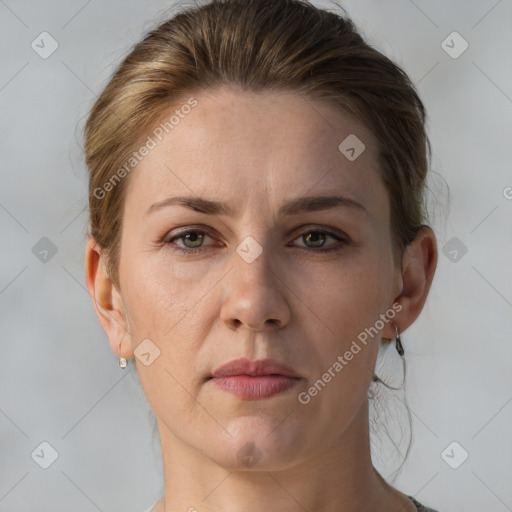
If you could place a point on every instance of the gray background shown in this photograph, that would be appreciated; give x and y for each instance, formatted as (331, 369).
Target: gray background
(59, 380)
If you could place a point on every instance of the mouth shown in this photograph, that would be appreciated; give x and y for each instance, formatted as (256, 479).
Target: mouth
(254, 380)
(250, 387)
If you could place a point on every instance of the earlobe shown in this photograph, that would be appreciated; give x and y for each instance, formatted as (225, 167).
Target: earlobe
(106, 300)
(419, 265)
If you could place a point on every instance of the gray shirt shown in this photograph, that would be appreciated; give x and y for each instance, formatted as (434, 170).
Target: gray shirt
(420, 507)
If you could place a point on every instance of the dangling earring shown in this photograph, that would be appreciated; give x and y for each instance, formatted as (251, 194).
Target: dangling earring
(122, 360)
(398, 343)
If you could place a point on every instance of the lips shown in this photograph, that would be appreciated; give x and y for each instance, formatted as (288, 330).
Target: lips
(254, 368)
(254, 380)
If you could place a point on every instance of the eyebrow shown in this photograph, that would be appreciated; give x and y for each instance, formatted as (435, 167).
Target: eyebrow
(290, 207)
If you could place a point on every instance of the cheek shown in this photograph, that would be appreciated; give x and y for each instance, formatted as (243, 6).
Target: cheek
(163, 308)
(341, 316)
(164, 302)
(346, 296)
(162, 294)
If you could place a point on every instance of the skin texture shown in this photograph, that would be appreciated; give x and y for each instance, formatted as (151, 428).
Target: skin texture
(292, 304)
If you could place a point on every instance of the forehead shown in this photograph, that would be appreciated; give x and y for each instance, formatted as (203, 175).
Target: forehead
(245, 146)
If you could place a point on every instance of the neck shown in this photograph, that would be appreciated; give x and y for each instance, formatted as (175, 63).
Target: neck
(341, 478)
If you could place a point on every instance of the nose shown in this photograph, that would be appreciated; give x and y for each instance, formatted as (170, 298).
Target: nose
(255, 295)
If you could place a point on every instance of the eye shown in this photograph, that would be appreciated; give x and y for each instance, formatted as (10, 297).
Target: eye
(315, 239)
(192, 240)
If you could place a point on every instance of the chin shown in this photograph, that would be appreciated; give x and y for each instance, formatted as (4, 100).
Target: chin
(261, 444)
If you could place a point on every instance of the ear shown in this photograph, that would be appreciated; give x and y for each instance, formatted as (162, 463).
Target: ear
(106, 300)
(418, 268)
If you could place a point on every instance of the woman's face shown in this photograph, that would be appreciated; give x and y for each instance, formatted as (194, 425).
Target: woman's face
(253, 280)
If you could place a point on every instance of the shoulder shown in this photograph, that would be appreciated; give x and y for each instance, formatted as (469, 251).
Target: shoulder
(420, 507)
(152, 508)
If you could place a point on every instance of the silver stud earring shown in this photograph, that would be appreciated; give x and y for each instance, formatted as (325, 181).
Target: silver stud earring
(122, 363)
(398, 343)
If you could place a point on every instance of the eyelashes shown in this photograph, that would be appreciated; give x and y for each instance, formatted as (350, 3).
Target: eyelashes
(318, 236)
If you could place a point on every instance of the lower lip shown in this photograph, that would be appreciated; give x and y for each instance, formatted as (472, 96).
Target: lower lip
(255, 388)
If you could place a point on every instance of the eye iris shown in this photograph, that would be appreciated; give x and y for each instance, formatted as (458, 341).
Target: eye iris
(316, 236)
(194, 237)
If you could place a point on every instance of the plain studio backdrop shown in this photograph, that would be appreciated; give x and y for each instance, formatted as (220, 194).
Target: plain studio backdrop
(64, 402)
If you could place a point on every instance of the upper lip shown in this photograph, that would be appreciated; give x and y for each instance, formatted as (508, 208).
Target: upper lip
(244, 366)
